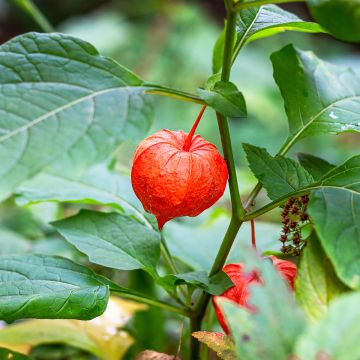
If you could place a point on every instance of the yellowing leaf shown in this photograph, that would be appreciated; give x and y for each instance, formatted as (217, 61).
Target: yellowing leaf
(100, 336)
(220, 343)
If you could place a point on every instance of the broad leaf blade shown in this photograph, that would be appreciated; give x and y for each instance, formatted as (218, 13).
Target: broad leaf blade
(340, 17)
(319, 97)
(45, 287)
(279, 175)
(337, 335)
(63, 103)
(97, 185)
(112, 240)
(316, 166)
(268, 20)
(336, 213)
(316, 283)
(226, 99)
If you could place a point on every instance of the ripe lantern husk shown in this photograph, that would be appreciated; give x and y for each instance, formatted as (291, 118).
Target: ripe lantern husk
(239, 293)
(174, 177)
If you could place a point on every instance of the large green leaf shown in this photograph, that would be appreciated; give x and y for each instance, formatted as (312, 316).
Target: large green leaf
(36, 286)
(225, 98)
(62, 102)
(271, 331)
(336, 213)
(319, 97)
(337, 335)
(316, 166)
(98, 185)
(316, 282)
(279, 175)
(340, 17)
(113, 240)
(257, 23)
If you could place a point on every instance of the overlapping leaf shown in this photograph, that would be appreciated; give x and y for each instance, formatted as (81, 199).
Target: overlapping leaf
(316, 166)
(319, 97)
(214, 285)
(317, 283)
(340, 17)
(225, 98)
(97, 185)
(36, 286)
(260, 22)
(279, 175)
(113, 240)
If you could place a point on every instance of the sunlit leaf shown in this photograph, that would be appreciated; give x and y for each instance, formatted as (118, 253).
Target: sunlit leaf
(319, 97)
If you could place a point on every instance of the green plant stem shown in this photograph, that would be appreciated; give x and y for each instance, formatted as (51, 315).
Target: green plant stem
(153, 302)
(237, 208)
(249, 4)
(30, 8)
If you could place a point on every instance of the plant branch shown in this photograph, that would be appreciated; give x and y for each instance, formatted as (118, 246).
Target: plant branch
(256, 3)
(31, 9)
(172, 93)
(153, 302)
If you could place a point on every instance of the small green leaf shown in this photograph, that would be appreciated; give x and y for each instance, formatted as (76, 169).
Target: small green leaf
(226, 99)
(258, 23)
(279, 175)
(319, 97)
(337, 335)
(340, 17)
(336, 213)
(46, 287)
(113, 240)
(274, 327)
(316, 282)
(316, 166)
(6, 354)
(220, 343)
(214, 285)
(64, 105)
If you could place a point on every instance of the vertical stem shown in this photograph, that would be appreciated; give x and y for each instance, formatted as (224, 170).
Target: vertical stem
(237, 208)
(29, 7)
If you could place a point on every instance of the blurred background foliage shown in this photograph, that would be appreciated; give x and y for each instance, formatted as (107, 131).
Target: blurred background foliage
(169, 42)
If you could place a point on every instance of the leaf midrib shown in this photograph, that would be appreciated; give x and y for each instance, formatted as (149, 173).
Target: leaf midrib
(297, 136)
